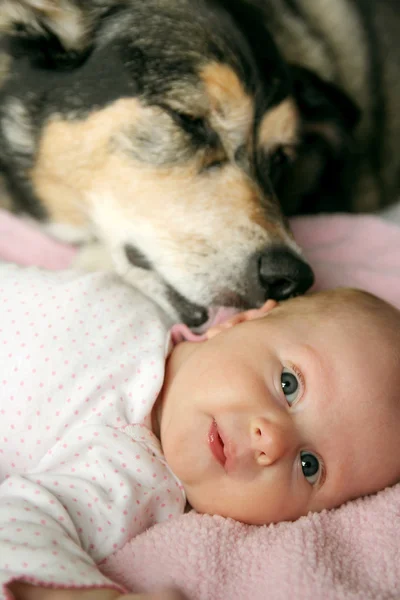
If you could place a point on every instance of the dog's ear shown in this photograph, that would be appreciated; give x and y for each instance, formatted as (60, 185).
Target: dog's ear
(322, 104)
(319, 177)
(250, 21)
(53, 33)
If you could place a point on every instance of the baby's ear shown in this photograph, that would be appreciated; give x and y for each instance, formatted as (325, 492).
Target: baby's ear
(247, 315)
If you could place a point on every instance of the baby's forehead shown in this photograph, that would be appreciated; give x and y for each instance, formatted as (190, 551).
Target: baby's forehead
(356, 334)
(345, 308)
(373, 460)
(344, 302)
(317, 309)
(338, 301)
(360, 424)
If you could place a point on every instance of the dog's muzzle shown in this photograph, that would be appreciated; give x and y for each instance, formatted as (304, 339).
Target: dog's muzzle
(277, 273)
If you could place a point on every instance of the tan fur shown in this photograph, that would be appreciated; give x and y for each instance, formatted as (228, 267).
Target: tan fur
(330, 40)
(134, 174)
(231, 108)
(11, 11)
(279, 126)
(61, 16)
(80, 161)
(225, 90)
(6, 202)
(85, 173)
(5, 63)
(17, 127)
(71, 155)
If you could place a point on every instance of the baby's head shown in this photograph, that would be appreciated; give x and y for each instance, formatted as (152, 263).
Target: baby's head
(286, 409)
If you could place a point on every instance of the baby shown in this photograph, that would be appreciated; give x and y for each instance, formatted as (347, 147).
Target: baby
(109, 425)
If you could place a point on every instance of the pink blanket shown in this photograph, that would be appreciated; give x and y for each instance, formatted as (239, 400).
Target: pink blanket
(349, 553)
(362, 251)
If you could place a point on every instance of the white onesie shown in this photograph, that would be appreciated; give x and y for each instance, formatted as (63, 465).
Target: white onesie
(81, 472)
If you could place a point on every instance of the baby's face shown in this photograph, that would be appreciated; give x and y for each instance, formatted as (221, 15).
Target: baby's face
(279, 416)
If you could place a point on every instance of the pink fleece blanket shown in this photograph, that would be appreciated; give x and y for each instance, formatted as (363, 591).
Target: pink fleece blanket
(362, 251)
(351, 553)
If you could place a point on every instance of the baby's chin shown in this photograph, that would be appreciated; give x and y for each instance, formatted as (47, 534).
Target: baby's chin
(246, 515)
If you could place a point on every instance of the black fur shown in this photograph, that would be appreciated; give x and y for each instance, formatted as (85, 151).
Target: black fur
(156, 45)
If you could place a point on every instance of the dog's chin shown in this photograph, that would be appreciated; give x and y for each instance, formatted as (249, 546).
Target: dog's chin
(198, 318)
(216, 315)
(179, 309)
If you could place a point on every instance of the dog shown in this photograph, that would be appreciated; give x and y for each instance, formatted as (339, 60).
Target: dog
(170, 139)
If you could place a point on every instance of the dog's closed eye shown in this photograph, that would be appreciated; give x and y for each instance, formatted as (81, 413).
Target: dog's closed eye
(213, 159)
(203, 136)
(199, 130)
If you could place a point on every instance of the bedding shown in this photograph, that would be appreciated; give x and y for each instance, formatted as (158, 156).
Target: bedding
(357, 250)
(352, 552)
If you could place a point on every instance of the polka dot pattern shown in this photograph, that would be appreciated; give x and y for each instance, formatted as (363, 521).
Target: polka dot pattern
(82, 362)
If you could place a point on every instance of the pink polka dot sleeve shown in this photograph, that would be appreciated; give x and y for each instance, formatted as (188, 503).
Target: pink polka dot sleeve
(81, 364)
(39, 542)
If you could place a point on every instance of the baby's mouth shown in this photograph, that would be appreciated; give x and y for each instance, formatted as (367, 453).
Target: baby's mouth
(216, 444)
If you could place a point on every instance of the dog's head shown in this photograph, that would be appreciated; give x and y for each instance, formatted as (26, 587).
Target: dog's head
(321, 177)
(157, 127)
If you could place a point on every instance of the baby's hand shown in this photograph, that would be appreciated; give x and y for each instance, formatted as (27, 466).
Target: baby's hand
(25, 591)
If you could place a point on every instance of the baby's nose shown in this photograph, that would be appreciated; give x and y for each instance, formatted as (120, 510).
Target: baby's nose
(269, 440)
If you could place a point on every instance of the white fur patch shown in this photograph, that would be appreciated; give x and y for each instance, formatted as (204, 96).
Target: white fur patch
(93, 257)
(17, 127)
(70, 234)
(62, 17)
(199, 273)
(68, 23)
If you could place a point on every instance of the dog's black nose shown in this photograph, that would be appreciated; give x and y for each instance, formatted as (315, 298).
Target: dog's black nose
(278, 273)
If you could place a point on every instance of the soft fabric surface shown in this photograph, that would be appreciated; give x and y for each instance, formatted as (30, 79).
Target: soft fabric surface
(23, 243)
(350, 250)
(95, 398)
(362, 251)
(349, 553)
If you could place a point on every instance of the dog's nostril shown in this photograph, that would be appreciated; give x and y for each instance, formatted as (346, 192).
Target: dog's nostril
(278, 288)
(283, 274)
(136, 257)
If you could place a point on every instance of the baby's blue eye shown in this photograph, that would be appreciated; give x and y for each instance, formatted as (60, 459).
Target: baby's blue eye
(290, 386)
(310, 467)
